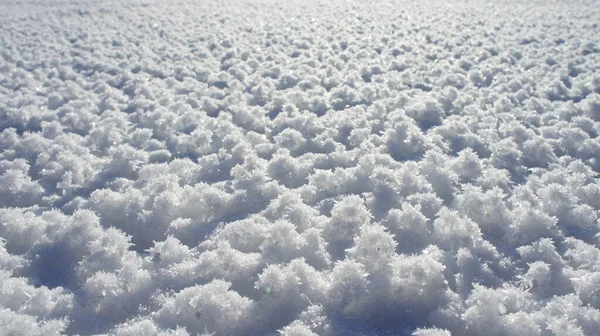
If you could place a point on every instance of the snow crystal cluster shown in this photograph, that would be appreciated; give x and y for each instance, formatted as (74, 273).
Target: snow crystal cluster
(299, 168)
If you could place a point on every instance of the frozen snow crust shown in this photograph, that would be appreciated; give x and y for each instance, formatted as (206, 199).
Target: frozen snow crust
(300, 168)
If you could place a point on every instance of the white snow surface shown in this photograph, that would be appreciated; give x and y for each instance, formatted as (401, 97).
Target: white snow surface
(300, 167)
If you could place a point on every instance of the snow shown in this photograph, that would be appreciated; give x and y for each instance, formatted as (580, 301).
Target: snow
(299, 168)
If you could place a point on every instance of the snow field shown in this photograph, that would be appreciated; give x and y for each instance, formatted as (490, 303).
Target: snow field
(304, 168)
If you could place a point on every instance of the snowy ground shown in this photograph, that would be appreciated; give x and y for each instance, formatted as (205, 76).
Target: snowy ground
(300, 167)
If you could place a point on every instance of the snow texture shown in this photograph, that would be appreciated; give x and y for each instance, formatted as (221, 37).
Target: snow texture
(299, 168)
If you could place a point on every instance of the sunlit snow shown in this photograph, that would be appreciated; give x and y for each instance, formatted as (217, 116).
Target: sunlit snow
(297, 168)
